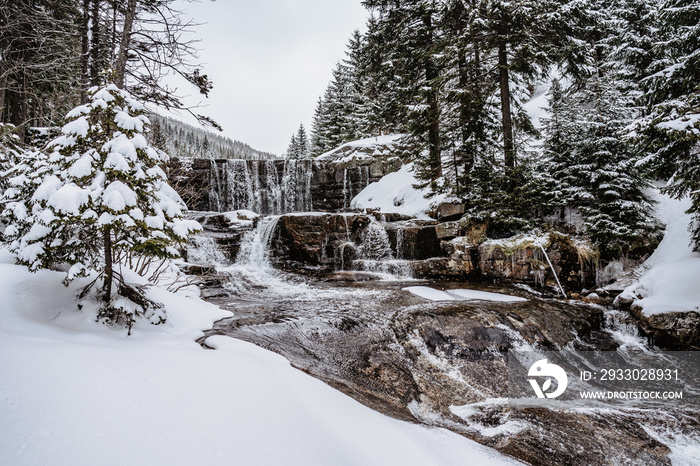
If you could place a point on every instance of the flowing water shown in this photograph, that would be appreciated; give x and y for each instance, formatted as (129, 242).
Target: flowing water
(268, 187)
(444, 363)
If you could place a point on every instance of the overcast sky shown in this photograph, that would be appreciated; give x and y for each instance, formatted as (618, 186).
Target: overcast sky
(270, 60)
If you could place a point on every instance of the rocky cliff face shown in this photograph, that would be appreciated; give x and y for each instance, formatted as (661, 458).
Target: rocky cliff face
(276, 186)
(331, 242)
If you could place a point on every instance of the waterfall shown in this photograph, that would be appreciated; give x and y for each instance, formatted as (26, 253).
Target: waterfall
(203, 250)
(268, 187)
(296, 186)
(215, 187)
(376, 254)
(346, 191)
(375, 242)
(399, 243)
(239, 186)
(255, 247)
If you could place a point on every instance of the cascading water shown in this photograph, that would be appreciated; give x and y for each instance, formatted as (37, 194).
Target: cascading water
(296, 186)
(267, 187)
(377, 256)
(203, 250)
(255, 248)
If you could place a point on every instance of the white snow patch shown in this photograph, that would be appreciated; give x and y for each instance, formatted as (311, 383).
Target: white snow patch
(476, 295)
(670, 276)
(394, 193)
(78, 127)
(461, 294)
(117, 196)
(75, 392)
(429, 293)
(82, 167)
(68, 199)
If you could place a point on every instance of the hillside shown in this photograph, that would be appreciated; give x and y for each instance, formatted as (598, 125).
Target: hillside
(179, 139)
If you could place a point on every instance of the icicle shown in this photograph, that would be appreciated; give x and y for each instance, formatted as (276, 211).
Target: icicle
(553, 271)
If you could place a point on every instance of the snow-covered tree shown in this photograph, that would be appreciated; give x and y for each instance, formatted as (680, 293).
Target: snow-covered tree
(293, 149)
(592, 165)
(96, 200)
(302, 143)
(298, 144)
(670, 132)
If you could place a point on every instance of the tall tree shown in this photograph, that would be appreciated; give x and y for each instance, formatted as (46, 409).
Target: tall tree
(670, 132)
(409, 30)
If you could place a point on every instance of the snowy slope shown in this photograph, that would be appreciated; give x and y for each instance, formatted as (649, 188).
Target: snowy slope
(671, 276)
(394, 193)
(363, 148)
(73, 392)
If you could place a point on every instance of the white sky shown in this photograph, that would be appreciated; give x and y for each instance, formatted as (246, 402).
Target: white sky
(270, 60)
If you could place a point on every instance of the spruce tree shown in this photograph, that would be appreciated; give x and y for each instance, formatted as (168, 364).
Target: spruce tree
(97, 200)
(293, 149)
(592, 165)
(302, 141)
(670, 132)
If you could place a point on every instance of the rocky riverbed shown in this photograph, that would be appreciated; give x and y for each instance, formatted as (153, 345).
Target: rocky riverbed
(441, 363)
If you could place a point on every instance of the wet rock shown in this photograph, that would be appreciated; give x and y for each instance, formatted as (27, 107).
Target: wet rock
(329, 240)
(447, 230)
(351, 276)
(194, 269)
(574, 439)
(414, 239)
(444, 268)
(677, 331)
(226, 232)
(394, 217)
(517, 259)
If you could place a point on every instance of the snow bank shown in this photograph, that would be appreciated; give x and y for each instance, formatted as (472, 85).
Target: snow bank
(380, 144)
(78, 393)
(670, 276)
(394, 193)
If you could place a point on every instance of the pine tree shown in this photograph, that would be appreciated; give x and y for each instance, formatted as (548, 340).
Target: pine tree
(592, 165)
(670, 132)
(98, 201)
(302, 143)
(293, 149)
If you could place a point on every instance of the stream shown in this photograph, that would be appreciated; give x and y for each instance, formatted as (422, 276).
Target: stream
(445, 363)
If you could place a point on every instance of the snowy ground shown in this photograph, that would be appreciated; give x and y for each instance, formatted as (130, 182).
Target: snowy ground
(394, 193)
(73, 392)
(670, 277)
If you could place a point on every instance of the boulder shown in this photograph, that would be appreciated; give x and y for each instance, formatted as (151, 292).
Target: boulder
(446, 211)
(447, 230)
(676, 331)
(444, 268)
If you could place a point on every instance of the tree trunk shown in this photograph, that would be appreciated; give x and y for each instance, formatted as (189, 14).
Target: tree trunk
(122, 56)
(109, 269)
(21, 104)
(431, 75)
(3, 87)
(95, 45)
(465, 99)
(506, 118)
(84, 52)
